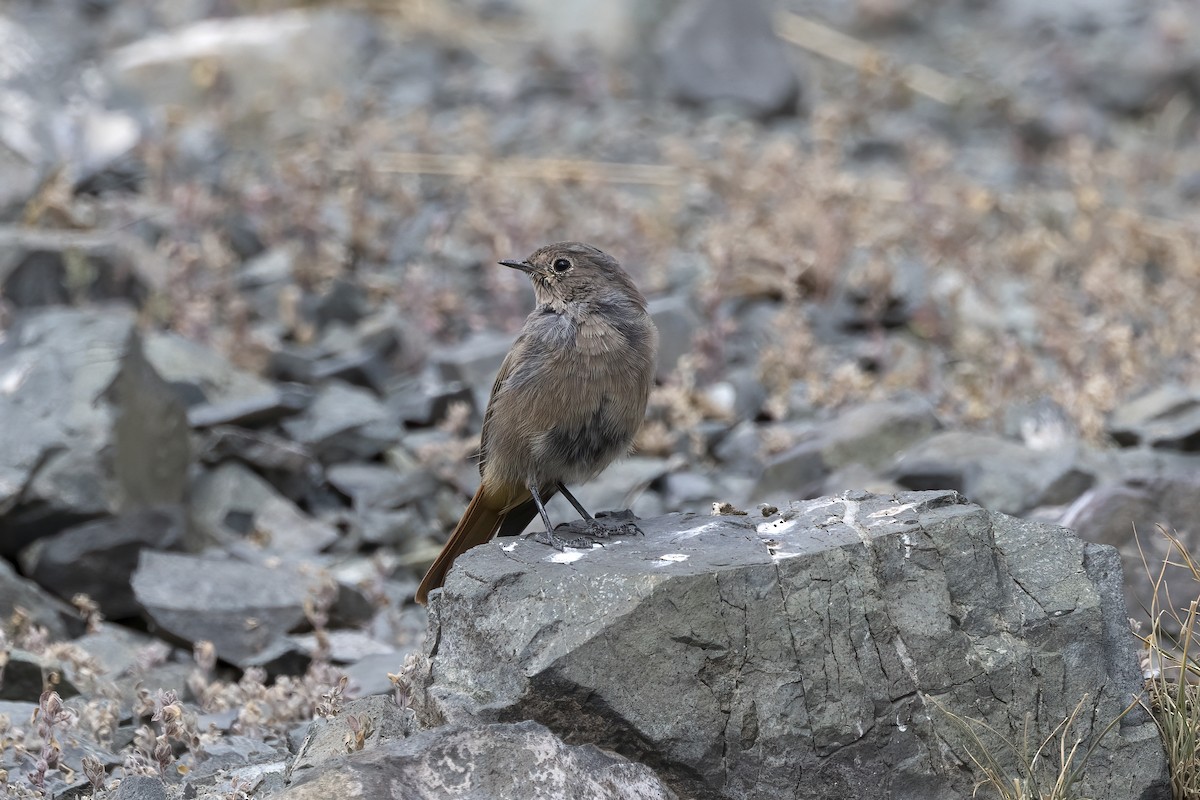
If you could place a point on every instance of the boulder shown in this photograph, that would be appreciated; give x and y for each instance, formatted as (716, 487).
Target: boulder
(90, 428)
(735, 653)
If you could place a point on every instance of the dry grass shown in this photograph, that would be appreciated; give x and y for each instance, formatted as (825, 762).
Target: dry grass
(1172, 669)
(1052, 770)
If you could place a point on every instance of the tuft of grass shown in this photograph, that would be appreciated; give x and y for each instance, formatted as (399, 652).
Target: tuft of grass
(1172, 670)
(1051, 771)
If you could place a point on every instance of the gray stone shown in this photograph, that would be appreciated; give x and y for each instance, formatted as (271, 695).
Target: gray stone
(281, 401)
(345, 647)
(676, 323)
(389, 528)
(371, 354)
(1131, 516)
(996, 473)
(688, 491)
(726, 53)
(271, 267)
(342, 301)
(34, 602)
(369, 675)
(381, 486)
(741, 448)
(56, 267)
(260, 449)
(214, 390)
(344, 423)
(233, 504)
(245, 610)
(27, 675)
(870, 435)
(227, 754)
(1040, 425)
(378, 717)
(473, 362)
(423, 401)
(98, 558)
(55, 122)
(89, 427)
(800, 645)
(141, 787)
(1167, 418)
(520, 761)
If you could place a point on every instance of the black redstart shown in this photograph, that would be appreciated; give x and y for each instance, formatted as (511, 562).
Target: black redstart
(570, 396)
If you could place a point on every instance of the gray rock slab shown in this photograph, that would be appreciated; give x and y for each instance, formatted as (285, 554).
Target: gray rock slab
(128, 659)
(206, 380)
(89, 427)
(997, 473)
(677, 323)
(344, 423)
(98, 558)
(260, 449)
(227, 754)
(369, 675)
(232, 504)
(473, 362)
(245, 610)
(380, 486)
(520, 761)
(871, 435)
(736, 653)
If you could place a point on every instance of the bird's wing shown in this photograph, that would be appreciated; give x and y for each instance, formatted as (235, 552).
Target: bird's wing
(506, 368)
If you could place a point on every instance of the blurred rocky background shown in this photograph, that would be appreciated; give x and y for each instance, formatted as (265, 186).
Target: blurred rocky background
(250, 313)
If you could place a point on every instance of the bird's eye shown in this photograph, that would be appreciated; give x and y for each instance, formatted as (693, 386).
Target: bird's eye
(561, 265)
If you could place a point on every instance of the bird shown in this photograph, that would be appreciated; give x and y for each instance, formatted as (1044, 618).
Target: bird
(569, 398)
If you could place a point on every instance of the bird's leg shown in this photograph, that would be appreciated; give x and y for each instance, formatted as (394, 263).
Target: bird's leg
(547, 536)
(596, 527)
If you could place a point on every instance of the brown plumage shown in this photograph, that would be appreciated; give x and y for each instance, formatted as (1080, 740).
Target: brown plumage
(568, 400)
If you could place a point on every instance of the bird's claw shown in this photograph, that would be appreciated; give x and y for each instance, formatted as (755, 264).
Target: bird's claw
(600, 530)
(561, 544)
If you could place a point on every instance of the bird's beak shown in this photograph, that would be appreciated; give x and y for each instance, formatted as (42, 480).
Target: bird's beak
(524, 266)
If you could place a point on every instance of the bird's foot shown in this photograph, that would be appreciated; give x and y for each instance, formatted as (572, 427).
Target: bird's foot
(559, 543)
(614, 523)
(604, 529)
